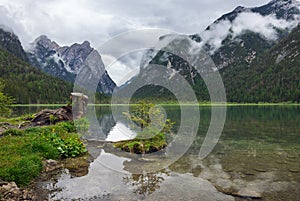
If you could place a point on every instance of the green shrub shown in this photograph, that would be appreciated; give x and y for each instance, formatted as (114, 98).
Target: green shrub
(67, 126)
(82, 125)
(68, 144)
(13, 132)
(46, 149)
(5, 101)
(150, 139)
(22, 151)
(53, 119)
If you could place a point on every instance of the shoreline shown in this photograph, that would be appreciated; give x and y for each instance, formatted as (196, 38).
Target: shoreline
(228, 104)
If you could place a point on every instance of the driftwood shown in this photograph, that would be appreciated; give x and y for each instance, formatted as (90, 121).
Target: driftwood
(65, 113)
(47, 117)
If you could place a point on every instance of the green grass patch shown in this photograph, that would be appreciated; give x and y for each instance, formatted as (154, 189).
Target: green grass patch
(17, 120)
(22, 151)
(38, 105)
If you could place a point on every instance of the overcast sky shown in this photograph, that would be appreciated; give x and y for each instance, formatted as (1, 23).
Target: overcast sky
(70, 21)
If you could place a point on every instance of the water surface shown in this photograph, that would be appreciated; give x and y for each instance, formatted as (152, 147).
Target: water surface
(258, 151)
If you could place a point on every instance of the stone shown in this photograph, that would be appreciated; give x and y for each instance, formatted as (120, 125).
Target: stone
(51, 165)
(245, 193)
(10, 191)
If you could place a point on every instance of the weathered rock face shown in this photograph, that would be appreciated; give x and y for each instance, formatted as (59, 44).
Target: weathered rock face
(10, 42)
(66, 62)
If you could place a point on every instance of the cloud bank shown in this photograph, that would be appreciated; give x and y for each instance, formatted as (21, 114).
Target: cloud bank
(264, 25)
(69, 21)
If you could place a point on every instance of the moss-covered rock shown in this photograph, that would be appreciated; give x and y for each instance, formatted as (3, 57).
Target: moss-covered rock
(143, 146)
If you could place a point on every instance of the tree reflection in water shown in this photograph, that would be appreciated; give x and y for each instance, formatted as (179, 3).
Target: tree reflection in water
(147, 183)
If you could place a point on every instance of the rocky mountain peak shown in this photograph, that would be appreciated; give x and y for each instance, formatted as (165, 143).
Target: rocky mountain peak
(11, 43)
(239, 9)
(45, 42)
(86, 43)
(66, 62)
(282, 9)
(75, 55)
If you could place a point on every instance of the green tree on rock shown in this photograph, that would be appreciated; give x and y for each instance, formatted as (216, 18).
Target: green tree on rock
(154, 128)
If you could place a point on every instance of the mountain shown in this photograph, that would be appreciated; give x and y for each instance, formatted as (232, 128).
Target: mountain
(66, 62)
(238, 43)
(282, 9)
(10, 42)
(24, 82)
(244, 38)
(272, 77)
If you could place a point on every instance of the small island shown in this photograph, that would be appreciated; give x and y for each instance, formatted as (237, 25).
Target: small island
(153, 133)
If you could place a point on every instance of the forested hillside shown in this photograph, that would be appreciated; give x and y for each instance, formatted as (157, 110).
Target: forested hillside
(28, 84)
(272, 77)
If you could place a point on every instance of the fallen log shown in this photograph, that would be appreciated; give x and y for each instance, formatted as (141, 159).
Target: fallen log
(47, 117)
(65, 113)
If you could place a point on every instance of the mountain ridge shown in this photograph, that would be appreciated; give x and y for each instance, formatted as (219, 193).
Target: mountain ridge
(25, 83)
(65, 62)
(237, 54)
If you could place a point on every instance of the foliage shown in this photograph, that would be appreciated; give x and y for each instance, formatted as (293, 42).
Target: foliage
(140, 114)
(12, 132)
(28, 84)
(22, 151)
(82, 125)
(144, 113)
(142, 146)
(272, 77)
(253, 70)
(53, 119)
(154, 129)
(5, 101)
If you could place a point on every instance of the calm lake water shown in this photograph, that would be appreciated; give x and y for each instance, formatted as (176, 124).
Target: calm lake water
(258, 152)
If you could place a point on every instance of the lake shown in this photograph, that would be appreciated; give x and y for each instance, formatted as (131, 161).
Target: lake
(257, 155)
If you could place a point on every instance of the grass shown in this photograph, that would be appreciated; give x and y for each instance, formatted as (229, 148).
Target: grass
(17, 120)
(37, 105)
(22, 151)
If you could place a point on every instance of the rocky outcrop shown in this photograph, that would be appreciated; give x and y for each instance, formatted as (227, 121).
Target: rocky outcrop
(9, 191)
(10, 42)
(68, 61)
(52, 165)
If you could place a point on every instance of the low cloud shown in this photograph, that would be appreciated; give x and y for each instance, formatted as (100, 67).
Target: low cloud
(264, 25)
(122, 69)
(69, 21)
